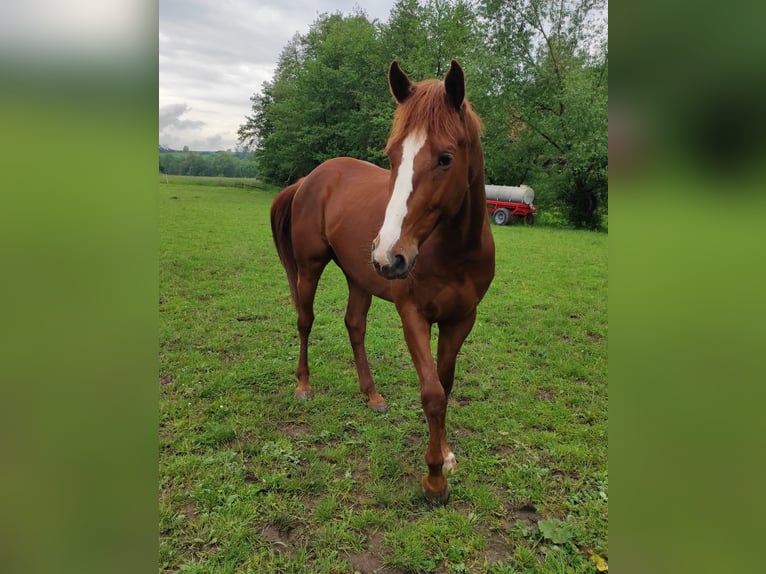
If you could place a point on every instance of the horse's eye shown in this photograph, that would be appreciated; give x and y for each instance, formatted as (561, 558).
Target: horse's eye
(444, 160)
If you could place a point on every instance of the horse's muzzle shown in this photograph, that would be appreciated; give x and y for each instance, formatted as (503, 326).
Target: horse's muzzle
(398, 268)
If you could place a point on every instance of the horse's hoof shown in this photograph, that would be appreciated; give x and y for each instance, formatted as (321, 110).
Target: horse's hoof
(435, 497)
(379, 407)
(303, 395)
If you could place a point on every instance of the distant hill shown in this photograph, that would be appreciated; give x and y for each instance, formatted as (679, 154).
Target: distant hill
(166, 149)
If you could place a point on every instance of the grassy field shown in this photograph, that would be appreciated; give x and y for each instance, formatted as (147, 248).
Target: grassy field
(253, 481)
(235, 182)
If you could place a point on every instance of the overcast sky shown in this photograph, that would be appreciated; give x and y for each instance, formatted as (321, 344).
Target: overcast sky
(214, 54)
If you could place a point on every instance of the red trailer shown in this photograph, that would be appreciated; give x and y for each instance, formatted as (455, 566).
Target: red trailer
(507, 203)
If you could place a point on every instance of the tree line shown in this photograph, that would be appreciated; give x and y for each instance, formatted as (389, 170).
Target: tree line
(536, 72)
(216, 164)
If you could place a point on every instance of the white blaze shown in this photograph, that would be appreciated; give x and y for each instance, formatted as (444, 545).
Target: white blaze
(397, 205)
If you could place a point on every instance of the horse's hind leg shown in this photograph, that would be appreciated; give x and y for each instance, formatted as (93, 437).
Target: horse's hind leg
(308, 278)
(356, 324)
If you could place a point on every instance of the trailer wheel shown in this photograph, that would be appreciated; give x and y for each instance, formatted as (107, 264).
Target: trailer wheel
(501, 216)
(530, 218)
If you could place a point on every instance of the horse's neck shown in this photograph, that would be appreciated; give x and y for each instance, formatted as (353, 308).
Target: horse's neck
(463, 233)
(475, 205)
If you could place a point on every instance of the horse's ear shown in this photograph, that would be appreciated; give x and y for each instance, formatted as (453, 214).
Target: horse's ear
(454, 82)
(400, 84)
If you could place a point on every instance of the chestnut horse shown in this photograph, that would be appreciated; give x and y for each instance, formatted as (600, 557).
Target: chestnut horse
(425, 222)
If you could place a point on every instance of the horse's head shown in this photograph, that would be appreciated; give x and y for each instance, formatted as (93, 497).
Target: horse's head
(430, 150)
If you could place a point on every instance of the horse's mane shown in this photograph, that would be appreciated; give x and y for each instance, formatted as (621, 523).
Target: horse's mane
(428, 108)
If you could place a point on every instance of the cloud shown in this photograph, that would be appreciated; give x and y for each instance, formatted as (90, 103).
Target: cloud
(170, 116)
(214, 142)
(215, 55)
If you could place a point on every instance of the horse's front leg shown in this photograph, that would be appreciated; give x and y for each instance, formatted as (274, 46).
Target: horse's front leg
(417, 333)
(451, 337)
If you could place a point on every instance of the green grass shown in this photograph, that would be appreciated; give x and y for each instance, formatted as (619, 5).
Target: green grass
(253, 481)
(213, 181)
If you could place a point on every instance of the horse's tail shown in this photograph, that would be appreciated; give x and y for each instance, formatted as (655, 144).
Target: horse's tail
(281, 230)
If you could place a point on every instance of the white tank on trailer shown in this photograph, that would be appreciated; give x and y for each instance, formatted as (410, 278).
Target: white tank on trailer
(520, 194)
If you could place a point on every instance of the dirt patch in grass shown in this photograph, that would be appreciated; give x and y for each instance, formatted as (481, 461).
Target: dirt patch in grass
(527, 513)
(545, 395)
(166, 379)
(250, 478)
(295, 430)
(587, 419)
(190, 510)
(361, 469)
(369, 561)
(282, 541)
(505, 452)
(252, 318)
(227, 355)
(310, 502)
(498, 549)
(375, 541)
(562, 475)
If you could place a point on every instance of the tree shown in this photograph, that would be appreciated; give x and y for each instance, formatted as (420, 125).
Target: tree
(329, 96)
(223, 164)
(426, 37)
(536, 72)
(545, 87)
(324, 101)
